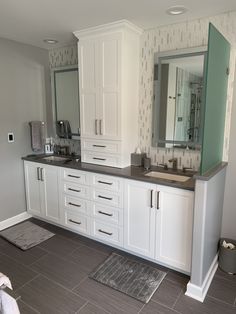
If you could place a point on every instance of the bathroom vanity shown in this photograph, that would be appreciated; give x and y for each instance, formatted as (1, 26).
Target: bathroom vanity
(123, 208)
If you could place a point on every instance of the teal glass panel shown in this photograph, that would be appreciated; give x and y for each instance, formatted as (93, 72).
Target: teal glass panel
(215, 99)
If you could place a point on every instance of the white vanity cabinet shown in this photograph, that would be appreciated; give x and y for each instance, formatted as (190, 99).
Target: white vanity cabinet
(108, 78)
(42, 190)
(158, 223)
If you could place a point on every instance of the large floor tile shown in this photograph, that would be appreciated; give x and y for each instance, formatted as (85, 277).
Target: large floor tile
(87, 258)
(177, 277)
(60, 270)
(186, 305)
(155, 308)
(168, 293)
(48, 297)
(18, 274)
(111, 300)
(26, 309)
(93, 244)
(60, 231)
(92, 309)
(59, 245)
(24, 257)
(223, 289)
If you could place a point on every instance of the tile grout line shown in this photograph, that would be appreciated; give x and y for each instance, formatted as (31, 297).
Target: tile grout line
(83, 306)
(165, 306)
(220, 301)
(77, 286)
(26, 283)
(177, 299)
(142, 308)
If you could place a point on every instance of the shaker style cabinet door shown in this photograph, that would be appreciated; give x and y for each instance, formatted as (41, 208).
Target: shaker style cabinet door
(139, 217)
(42, 190)
(174, 227)
(32, 185)
(49, 193)
(89, 88)
(110, 86)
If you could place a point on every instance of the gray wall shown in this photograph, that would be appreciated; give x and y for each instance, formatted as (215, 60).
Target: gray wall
(24, 92)
(229, 212)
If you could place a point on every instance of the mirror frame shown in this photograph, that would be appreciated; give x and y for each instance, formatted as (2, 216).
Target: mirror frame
(180, 53)
(75, 136)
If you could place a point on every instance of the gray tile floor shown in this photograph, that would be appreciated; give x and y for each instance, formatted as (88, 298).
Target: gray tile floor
(53, 278)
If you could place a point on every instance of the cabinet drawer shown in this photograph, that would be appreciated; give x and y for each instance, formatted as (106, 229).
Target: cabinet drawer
(107, 198)
(76, 190)
(111, 147)
(101, 159)
(75, 176)
(76, 221)
(107, 182)
(76, 204)
(108, 214)
(106, 232)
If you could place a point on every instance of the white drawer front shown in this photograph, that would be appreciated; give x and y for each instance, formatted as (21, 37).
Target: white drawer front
(77, 204)
(112, 147)
(106, 232)
(107, 182)
(75, 176)
(108, 214)
(78, 222)
(101, 159)
(108, 198)
(76, 190)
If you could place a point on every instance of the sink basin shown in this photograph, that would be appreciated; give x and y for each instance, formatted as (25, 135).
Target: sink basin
(55, 158)
(167, 176)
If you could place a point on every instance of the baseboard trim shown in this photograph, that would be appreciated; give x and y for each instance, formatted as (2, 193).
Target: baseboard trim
(14, 220)
(199, 292)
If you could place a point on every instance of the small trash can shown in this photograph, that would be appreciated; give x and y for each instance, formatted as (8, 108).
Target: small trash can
(227, 257)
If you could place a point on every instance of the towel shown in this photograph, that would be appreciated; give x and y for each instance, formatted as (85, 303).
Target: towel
(8, 304)
(37, 135)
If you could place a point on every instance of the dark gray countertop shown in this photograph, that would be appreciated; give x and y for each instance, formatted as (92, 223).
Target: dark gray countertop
(132, 172)
(211, 173)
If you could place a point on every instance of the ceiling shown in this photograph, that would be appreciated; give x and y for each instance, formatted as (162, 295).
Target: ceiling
(31, 21)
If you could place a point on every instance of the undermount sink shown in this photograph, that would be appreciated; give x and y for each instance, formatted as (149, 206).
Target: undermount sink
(55, 158)
(167, 176)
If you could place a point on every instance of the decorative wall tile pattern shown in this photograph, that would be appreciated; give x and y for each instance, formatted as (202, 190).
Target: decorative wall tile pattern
(172, 37)
(64, 56)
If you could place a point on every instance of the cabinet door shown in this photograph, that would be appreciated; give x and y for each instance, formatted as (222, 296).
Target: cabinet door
(89, 91)
(174, 227)
(32, 182)
(139, 218)
(49, 193)
(109, 81)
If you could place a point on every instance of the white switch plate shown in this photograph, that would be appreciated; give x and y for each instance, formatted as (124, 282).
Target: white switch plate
(10, 137)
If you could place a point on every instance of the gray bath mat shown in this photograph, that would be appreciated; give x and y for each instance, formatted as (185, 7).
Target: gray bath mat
(135, 279)
(26, 235)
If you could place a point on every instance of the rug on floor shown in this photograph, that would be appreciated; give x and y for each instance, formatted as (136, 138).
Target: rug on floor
(26, 235)
(133, 278)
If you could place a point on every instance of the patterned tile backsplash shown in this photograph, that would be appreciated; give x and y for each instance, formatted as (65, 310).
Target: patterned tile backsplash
(171, 37)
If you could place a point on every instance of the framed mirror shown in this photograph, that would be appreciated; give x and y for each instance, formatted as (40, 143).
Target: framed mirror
(65, 95)
(178, 99)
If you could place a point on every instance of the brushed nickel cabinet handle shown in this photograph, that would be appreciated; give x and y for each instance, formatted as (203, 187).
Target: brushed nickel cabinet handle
(158, 199)
(103, 182)
(96, 126)
(38, 175)
(74, 190)
(151, 199)
(75, 222)
(106, 214)
(72, 176)
(100, 126)
(96, 158)
(102, 231)
(105, 198)
(73, 204)
(41, 174)
(101, 146)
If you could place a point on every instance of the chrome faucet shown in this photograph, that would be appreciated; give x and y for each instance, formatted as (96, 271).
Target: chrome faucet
(174, 163)
(164, 166)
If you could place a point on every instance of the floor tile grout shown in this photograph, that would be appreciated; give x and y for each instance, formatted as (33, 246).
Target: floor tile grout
(167, 307)
(32, 308)
(37, 275)
(83, 306)
(219, 300)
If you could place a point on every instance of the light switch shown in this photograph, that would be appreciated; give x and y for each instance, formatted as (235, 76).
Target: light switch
(10, 137)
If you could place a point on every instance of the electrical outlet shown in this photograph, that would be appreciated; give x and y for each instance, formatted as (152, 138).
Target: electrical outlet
(10, 137)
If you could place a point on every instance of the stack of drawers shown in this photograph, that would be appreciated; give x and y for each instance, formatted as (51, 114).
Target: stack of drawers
(92, 204)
